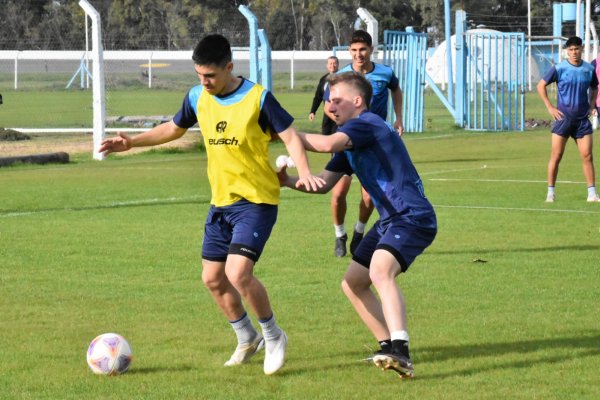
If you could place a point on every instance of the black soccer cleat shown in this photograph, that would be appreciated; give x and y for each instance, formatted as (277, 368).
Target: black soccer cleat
(394, 362)
(340, 245)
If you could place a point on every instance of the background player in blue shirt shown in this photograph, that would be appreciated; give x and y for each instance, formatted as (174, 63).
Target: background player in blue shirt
(573, 78)
(367, 146)
(382, 79)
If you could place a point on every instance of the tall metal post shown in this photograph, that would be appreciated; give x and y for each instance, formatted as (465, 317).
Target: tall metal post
(98, 102)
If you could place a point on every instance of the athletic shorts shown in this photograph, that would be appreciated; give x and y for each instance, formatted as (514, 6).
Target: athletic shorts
(575, 128)
(398, 236)
(241, 228)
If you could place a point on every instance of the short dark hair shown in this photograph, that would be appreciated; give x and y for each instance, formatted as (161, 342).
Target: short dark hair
(573, 41)
(357, 81)
(212, 50)
(361, 36)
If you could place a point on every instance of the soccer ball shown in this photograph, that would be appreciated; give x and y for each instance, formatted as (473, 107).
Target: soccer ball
(109, 354)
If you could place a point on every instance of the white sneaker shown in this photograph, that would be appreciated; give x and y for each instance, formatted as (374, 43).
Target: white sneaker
(593, 199)
(550, 198)
(243, 352)
(275, 359)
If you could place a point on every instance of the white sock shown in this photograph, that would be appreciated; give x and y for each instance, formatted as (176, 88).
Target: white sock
(271, 331)
(339, 230)
(551, 190)
(360, 227)
(399, 335)
(244, 329)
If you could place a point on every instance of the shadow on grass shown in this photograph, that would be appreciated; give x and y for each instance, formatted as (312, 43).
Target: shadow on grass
(516, 250)
(551, 351)
(121, 204)
(158, 370)
(533, 352)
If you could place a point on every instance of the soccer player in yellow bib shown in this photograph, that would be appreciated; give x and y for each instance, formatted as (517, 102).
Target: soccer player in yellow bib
(237, 119)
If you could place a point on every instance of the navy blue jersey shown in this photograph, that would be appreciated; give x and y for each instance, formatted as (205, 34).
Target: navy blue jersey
(572, 83)
(381, 162)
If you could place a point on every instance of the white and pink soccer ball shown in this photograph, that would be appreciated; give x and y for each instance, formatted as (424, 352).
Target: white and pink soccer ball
(284, 160)
(109, 354)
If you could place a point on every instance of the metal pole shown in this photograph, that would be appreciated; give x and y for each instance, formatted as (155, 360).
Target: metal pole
(98, 79)
(529, 36)
(449, 52)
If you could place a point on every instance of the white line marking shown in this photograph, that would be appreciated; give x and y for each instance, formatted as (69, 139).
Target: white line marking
(451, 170)
(517, 209)
(499, 180)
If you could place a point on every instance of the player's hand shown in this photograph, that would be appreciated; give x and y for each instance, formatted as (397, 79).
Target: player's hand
(311, 183)
(556, 114)
(282, 175)
(311, 117)
(117, 144)
(398, 126)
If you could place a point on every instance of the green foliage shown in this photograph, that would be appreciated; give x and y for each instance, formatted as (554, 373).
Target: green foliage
(289, 24)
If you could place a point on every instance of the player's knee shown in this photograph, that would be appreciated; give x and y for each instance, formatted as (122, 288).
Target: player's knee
(587, 157)
(212, 282)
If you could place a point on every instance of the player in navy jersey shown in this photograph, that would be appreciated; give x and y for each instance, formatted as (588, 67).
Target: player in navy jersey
(365, 145)
(573, 77)
(238, 119)
(382, 79)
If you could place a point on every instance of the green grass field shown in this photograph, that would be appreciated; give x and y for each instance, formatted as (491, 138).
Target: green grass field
(92, 247)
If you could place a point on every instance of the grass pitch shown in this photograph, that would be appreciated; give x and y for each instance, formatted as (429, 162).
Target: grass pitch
(503, 305)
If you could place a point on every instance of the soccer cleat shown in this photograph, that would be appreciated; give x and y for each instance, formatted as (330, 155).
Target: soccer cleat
(593, 199)
(394, 362)
(340, 245)
(550, 198)
(356, 238)
(275, 359)
(372, 356)
(243, 352)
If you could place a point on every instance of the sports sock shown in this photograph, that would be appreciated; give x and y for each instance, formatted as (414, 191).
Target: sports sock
(244, 329)
(339, 230)
(551, 190)
(400, 343)
(591, 191)
(400, 347)
(271, 331)
(359, 227)
(386, 345)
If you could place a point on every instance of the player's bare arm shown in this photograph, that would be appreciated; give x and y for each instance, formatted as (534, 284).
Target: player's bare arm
(334, 143)
(295, 148)
(553, 111)
(329, 180)
(397, 101)
(593, 96)
(160, 134)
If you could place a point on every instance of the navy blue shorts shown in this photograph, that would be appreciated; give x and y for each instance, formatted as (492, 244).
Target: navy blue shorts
(575, 128)
(400, 237)
(241, 228)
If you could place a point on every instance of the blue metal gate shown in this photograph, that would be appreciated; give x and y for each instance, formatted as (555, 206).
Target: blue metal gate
(406, 53)
(495, 78)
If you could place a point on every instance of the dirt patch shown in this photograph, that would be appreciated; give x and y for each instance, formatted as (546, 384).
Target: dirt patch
(75, 143)
(537, 123)
(9, 135)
